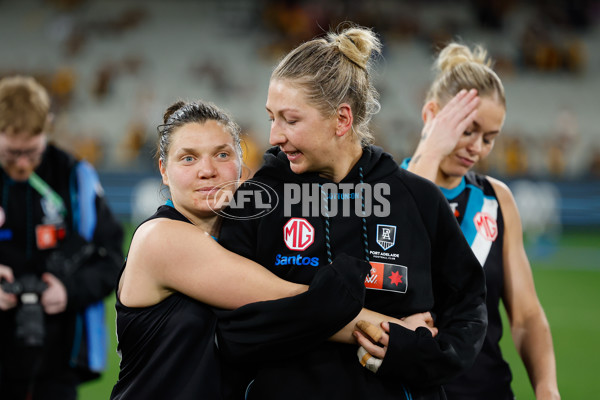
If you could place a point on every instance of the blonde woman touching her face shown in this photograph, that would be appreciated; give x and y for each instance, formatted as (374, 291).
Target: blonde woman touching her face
(463, 114)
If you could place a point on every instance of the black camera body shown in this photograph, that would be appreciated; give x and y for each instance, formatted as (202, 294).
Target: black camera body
(29, 318)
(62, 262)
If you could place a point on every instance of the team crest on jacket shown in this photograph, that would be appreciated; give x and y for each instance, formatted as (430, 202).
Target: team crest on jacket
(386, 236)
(486, 226)
(390, 277)
(298, 234)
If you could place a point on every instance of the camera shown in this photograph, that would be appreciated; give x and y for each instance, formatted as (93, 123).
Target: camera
(30, 328)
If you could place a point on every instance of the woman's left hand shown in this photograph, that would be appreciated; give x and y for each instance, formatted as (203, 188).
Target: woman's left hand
(376, 340)
(378, 348)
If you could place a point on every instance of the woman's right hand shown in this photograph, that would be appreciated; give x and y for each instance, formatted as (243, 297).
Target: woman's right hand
(443, 129)
(424, 320)
(7, 300)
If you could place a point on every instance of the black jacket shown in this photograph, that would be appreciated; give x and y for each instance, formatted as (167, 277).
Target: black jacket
(90, 282)
(421, 262)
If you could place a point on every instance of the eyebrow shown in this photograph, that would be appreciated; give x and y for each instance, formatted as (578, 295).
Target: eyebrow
(223, 146)
(476, 125)
(195, 151)
(282, 110)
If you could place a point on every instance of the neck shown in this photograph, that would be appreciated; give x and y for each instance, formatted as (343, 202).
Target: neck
(447, 181)
(210, 223)
(343, 162)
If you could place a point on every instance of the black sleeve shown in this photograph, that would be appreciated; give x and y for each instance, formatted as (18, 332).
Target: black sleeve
(96, 277)
(274, 330)
(460, 312)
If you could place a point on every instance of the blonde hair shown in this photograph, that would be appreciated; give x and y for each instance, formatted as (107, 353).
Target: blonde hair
(459, 67)
(336, 70)
(24, 106)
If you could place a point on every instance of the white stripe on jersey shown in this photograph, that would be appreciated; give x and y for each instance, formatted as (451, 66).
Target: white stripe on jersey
(481, 246)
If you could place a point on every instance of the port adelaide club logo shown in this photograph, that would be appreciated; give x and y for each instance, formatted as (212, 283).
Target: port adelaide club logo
(386, 236)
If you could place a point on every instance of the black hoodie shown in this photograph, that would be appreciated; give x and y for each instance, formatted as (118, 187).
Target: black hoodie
(421, 262)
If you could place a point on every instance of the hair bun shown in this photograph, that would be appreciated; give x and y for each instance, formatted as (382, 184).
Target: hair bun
(174, 107)
(455, 54)
(357, 44)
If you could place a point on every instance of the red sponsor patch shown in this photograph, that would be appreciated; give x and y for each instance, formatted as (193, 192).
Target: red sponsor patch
(298, 234)
(45, 236)
(486, 226)
(389, 277)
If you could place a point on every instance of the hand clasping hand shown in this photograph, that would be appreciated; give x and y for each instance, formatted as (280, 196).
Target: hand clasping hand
(374, 341)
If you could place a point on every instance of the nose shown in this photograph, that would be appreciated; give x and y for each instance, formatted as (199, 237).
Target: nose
(476, 144)
(276, 138)
(206, 168)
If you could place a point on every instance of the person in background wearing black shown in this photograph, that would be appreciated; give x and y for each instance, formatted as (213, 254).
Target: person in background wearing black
(60, 253)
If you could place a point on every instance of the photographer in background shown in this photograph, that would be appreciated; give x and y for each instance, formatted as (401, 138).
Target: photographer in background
(60, 253)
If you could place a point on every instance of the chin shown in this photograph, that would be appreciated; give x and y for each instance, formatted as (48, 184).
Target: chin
(454, 173)
(19, 177)
(457, 170)
(207, 212)
(298, 169)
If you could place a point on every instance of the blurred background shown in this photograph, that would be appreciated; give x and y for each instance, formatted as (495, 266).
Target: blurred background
(113, 67)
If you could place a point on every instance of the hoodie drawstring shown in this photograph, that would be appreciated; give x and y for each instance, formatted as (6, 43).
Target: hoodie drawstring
(365, 236)
(326, 214)
(364, 220)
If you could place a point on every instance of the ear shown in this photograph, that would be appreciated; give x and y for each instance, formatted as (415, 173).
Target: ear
(344, 119)
(430, 110)
(163, 172)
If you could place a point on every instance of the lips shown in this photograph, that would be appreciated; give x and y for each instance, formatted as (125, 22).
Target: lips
(467, 162)
(292, 155)
(208, 190)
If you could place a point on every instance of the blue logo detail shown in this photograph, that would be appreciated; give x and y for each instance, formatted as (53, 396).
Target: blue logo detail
(296, 260)
(5, 234)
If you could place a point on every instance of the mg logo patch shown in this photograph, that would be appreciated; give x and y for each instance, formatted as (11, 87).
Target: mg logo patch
(486, 226)
(390, 277)
(386, 236)
(298, 234)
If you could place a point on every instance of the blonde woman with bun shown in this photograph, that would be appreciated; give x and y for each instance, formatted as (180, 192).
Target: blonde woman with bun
(463, 114)
(340, 194)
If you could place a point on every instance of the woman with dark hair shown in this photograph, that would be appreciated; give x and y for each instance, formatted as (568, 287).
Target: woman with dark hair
(177, 278)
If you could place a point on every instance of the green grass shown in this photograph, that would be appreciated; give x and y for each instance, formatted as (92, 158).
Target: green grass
(570, 299)
(567, 283)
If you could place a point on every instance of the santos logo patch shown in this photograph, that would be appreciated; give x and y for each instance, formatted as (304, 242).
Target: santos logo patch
(386, 236)
(390, 277)
(298, 234)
